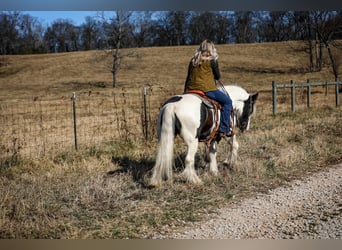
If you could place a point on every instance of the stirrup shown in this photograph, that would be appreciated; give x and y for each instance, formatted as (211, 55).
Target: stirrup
(226, 134)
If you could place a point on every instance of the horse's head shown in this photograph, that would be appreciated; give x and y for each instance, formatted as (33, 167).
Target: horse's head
(243, 105)
(245, 111)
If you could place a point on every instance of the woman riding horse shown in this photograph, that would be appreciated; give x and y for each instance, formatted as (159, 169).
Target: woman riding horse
(189, 117)
(203, 70)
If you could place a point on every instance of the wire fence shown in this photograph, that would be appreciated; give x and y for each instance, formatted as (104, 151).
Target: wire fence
(40, 127)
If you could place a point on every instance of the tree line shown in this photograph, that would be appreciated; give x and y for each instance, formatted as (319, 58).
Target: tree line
(24, 34)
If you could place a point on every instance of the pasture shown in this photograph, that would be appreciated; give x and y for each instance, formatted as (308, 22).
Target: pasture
(100, 190)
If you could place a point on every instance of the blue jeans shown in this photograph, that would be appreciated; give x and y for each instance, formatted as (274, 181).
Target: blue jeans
(226, 103)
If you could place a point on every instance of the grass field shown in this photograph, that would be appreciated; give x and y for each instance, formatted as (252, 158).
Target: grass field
(100, 190)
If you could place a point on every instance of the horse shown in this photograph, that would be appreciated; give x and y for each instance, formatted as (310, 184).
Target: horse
(188, 116)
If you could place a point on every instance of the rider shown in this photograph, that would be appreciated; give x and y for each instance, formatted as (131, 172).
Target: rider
(202, 72)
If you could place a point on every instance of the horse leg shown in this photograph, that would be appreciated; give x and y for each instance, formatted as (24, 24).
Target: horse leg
(233, 154)
(189, 172)
(211, 156)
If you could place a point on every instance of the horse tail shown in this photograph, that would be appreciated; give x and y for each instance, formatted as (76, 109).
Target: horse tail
(162, 169)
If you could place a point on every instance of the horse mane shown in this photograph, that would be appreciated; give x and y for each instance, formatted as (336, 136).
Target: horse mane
(238, 96)
(237, 93)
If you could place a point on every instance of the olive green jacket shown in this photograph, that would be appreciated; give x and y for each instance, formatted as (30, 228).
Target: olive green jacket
(202, 77)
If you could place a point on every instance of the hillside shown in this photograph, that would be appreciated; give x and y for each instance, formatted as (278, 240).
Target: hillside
(250, 65)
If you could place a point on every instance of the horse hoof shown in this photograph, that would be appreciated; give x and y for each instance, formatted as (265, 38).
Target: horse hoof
(226, 164)
(214, 173)
(197, 182)
(154, 185)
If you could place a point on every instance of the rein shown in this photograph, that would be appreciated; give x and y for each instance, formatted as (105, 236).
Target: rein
(221, 86)
(234, 119)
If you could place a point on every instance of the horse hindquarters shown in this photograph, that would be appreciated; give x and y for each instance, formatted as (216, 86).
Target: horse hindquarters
(162, 169)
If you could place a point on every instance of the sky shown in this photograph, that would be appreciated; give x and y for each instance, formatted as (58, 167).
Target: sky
(47, 17)
(91, 5)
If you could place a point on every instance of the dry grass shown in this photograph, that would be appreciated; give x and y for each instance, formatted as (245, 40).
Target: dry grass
(253, 66)
(100, 191)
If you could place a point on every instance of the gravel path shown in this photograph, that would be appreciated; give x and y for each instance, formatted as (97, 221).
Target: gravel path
(304, 209)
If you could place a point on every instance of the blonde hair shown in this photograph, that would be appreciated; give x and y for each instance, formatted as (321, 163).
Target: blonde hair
(206, 51)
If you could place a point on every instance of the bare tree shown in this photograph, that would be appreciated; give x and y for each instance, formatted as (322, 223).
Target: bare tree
(308, 27)
(9, 34)
(162, 29)
(20, 34)
(224, 24)
(120, 19)
(62, 36)
(329, 29)
(210, 24)
(178, 21)
(120, 34)
(143, 33)
(320, 29)
(90, 33)
(243, 27)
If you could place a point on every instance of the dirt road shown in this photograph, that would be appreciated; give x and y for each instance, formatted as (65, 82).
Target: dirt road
(310, 208)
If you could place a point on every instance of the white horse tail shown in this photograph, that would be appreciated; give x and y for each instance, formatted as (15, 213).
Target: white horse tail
(162, 169)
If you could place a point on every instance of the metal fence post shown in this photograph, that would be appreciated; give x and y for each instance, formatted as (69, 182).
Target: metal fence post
(74, 115)
(337, 89)
(274, 96)
(308, 93)
(293, 96)
(145, 126)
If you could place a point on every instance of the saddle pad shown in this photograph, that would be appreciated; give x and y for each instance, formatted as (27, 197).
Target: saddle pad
(210, 103)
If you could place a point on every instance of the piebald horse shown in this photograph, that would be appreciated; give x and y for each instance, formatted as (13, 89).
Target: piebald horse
(185, 115)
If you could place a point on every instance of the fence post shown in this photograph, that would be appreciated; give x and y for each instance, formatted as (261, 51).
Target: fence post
(74, 115)
(274, 96)
(308, 93)
(293, 96)
(337, 89)
(145, 115)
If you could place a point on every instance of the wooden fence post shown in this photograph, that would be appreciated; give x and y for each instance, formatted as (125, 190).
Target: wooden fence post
(308, 93)
(308, 86)
(274, 96)
(293, 96)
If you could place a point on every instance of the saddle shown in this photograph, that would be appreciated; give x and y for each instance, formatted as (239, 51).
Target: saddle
(210, 117)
